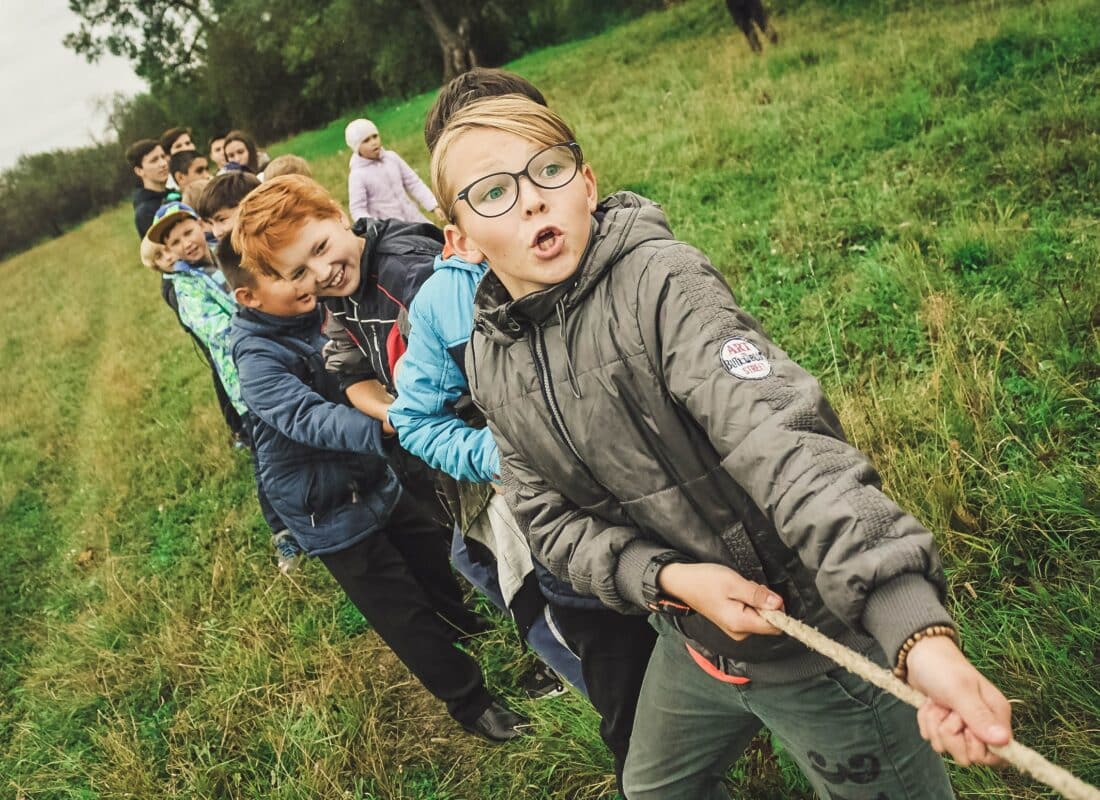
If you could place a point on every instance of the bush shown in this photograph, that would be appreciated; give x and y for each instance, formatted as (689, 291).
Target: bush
(46, 193)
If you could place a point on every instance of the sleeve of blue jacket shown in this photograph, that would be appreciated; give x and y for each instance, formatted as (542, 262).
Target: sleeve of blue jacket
(429, 384)
(274, 394)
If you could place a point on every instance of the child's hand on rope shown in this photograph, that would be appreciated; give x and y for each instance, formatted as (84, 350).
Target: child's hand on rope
(964, 712)
(721, 595)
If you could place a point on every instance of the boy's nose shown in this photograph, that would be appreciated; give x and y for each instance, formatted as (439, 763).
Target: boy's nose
(531, 200)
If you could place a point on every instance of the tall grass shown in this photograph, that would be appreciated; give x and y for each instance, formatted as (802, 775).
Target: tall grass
(906, 199)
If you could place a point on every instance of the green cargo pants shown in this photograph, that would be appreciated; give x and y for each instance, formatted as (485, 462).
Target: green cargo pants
(852, 741)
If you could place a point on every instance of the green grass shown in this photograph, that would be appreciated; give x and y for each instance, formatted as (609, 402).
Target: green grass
(907, 197)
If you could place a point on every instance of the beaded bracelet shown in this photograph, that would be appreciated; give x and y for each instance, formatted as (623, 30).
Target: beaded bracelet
(901, 670)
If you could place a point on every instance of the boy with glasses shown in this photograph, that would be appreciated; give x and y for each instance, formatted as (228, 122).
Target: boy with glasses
(670, 458)
(436, 421)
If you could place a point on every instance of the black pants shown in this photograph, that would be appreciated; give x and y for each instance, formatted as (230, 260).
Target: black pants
(400, 579)
(614, 651)
(745, 13)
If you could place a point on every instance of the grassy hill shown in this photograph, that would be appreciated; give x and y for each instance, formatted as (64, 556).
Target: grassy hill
(906, 196)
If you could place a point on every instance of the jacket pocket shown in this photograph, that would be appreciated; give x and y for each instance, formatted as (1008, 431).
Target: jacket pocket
(327, 486)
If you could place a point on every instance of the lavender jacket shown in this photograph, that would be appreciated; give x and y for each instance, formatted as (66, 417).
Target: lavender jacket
(381, 188)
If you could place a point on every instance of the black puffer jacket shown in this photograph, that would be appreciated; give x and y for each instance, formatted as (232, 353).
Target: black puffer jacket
(366, 328)
(642, 414)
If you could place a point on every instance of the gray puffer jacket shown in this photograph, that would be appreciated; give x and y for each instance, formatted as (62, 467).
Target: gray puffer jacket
(642, 414)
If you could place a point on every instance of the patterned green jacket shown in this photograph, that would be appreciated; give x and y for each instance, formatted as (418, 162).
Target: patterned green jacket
(206, 308)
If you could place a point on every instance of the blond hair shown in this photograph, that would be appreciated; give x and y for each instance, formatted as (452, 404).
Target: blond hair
(190, 196)
(287, 165)
(509, 113)
(150, 252)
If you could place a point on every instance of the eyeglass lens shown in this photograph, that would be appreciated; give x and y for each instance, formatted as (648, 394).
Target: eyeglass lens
(495, 194)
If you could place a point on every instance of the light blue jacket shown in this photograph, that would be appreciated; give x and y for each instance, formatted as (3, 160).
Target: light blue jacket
(430, 380)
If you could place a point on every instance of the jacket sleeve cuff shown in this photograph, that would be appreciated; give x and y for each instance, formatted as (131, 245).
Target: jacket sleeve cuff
(350, 379)
(631, 567)
(901, 607)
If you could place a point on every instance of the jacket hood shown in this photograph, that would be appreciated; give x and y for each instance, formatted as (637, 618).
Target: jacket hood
(622, 222)
(253, 322)
(456, 263)
(374, 231)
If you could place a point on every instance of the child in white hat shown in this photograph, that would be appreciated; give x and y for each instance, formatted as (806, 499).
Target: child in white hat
(380, 183)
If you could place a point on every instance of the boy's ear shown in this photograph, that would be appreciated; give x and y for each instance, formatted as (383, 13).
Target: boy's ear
(591, 192)
(464, 247)
(176, 176)
(244, 296)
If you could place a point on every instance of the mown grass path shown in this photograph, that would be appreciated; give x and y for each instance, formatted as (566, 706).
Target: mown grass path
(907, 200)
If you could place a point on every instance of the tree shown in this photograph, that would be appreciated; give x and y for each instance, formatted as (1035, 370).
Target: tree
(455, 42)
(163, 39)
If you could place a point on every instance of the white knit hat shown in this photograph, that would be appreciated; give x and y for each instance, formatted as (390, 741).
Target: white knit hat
(358, 130)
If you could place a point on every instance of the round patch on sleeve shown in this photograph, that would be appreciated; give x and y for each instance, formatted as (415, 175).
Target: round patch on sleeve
(743, 359)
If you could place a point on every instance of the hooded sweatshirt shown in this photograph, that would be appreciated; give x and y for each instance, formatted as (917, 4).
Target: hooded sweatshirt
(643, 416)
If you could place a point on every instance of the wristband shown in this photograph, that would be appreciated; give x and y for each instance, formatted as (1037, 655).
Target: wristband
(901, 670)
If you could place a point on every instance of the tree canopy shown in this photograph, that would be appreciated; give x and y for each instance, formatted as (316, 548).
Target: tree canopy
(276, 66)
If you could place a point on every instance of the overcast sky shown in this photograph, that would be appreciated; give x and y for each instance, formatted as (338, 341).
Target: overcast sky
(47, 92)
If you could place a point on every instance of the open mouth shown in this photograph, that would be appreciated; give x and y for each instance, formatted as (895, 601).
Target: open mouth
(548, 242)
(337, 280)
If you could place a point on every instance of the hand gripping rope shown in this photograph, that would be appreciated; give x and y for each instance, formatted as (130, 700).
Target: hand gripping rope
(1021, 757)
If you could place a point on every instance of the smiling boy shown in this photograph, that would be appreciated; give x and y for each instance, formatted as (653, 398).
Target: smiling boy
(203, 303)
(366, 275)
(291, 232)
(149, 163)
(188, 167)
(670, 458)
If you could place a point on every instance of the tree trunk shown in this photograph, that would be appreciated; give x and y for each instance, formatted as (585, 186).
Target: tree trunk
(458, 54)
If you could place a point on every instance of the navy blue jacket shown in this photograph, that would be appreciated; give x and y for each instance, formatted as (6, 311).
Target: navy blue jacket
(320, 462)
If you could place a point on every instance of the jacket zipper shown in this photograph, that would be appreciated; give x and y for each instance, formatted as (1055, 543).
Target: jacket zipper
(383, 378)
(538, 346)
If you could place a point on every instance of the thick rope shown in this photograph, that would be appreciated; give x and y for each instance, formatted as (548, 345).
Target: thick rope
(1021, 757)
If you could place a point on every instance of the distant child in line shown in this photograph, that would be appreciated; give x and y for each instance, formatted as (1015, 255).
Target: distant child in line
(670, 458)
(215, 149)
(156, 256)
(286, 165)
(203, 302)
(380, 184)
(149, 163)
(240, 148)
(177, 140)
(187, 167)
(193, 192)
(219, 202)
(205, 309)
(323, 463)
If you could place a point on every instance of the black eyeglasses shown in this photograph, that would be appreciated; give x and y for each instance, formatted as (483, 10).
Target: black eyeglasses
(549, 168)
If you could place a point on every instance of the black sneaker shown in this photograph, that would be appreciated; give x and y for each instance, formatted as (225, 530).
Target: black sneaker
(498, 724)
(542, 682)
